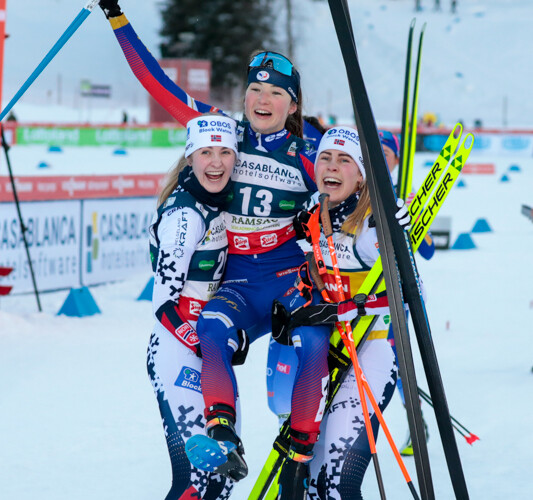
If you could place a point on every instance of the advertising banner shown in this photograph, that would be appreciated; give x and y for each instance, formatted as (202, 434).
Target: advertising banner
(114, 242)
(53, 232)
(140, 137)
(39, 188)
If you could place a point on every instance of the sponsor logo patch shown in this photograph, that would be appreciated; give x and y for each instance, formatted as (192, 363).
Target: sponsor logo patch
(195, 308)
(189, 378)
(263, 75)
(186, 333)
(269, 240)
(241, 242)
(283, 368)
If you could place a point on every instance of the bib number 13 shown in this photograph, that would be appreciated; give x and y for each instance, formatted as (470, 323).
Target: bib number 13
(263, 197)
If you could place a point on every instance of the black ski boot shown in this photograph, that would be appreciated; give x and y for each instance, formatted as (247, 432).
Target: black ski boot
(221, 451)
(294, 477)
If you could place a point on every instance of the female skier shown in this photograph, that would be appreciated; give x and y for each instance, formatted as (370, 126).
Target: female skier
(272, 179)
(342, 454)
(188, 247)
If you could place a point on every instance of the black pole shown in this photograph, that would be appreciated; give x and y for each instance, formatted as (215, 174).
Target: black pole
(23, 228)
(389, 232)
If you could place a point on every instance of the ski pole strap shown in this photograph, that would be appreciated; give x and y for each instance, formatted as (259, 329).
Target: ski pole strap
(313, 230)
(304, 284)
(315, 275)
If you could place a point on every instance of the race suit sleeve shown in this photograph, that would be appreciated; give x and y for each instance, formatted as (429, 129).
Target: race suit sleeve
(145, 67)
(178, 242)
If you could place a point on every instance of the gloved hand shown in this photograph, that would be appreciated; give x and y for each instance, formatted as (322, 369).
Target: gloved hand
(402, 215)
(330, 313)
(111, 8)
(299, 222)
(239, 357)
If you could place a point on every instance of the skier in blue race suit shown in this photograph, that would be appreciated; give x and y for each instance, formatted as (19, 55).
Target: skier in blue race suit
(272, 180)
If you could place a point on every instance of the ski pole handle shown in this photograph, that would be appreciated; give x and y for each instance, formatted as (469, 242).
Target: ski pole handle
(324, 214)
(63, 39)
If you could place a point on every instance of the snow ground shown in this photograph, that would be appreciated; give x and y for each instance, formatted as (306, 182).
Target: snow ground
(78, 418)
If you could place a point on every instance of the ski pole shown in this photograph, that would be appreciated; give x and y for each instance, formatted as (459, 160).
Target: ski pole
(458, 426)
(347, 335)
(363, 385)
(63, 39)
(23, 228)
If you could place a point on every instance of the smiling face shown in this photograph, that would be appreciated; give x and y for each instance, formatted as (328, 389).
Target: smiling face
(212, 166)
(337, 174)
(267, 107)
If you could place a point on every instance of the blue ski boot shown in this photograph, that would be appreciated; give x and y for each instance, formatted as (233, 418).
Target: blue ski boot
(221, 451)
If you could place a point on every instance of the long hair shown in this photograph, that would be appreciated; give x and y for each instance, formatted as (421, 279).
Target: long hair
(171, 180)
(354, 221)
(294, 122)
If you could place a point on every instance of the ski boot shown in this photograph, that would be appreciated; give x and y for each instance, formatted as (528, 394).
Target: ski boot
(221, 451)
(407, 449)
(294, 477)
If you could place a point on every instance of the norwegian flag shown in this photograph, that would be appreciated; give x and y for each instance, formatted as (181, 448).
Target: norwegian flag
(216, 138)
(340, 142)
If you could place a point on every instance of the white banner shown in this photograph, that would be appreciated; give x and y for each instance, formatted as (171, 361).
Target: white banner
(53, 232)
(115, 238)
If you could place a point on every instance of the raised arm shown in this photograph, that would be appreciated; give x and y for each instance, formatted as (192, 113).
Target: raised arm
(145, 67)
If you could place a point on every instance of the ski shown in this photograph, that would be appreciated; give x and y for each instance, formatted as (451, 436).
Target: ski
(338, 359)
(407, 179)
(402, 165)
(398, 261)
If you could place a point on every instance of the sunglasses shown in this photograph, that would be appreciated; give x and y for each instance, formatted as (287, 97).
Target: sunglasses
(272, 60)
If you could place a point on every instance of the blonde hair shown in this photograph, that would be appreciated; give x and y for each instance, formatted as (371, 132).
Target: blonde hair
(354, 222)
(171, 180)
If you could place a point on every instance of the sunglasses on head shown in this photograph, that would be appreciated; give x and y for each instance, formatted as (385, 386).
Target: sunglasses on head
(272, 60)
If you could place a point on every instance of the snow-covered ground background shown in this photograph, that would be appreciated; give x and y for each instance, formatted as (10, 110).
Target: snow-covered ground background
(78, 419)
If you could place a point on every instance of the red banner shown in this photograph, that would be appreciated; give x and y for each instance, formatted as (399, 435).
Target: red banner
(81, 187)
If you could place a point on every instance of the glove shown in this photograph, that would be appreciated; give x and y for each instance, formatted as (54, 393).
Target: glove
(300, 222)
(330, 313)
(239, 356)
(402, 215)
(111, 8)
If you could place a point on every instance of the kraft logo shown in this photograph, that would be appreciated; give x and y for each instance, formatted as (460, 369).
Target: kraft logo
(263, 75)
(189, 378)
(203, 123)
(283, 368)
